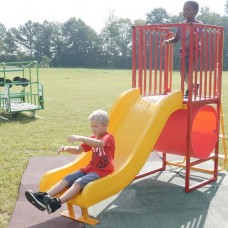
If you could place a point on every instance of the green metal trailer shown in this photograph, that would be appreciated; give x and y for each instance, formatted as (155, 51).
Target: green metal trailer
(20, 89)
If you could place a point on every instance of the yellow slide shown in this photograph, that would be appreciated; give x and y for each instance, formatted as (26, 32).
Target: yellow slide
(136, 123)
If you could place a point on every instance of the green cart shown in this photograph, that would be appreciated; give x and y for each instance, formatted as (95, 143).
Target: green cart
(20, 89)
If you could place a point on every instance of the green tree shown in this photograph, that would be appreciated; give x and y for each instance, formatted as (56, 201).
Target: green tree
(116, 40)
(226, 8)
(157, 16)
(79, 42)
(11, 47)
(37, 41)
(45, 61)
(139, 22)
(25, 37)
(75, 44)
(58, 51)
(176, 18)
(208, 17)
(2, 37)
(44, 40)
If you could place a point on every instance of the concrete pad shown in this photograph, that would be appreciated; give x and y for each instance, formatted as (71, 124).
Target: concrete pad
(25, 214)
(158, 200)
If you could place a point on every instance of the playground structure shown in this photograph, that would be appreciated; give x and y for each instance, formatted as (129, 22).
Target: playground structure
(20, 89)
(153, 117)
(152, 73)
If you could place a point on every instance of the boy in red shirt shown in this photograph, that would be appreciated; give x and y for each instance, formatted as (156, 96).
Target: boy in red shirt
(102, 145)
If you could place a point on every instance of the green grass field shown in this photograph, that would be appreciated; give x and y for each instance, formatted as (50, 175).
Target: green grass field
(70, 96)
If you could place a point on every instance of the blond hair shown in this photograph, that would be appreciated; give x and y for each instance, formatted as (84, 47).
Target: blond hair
(100, 116)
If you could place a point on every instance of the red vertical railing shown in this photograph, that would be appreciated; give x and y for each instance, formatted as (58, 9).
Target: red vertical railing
(134, 54)
(152, 64)
(201, 56)
(152, 71)
(151, 74)
(215, 65)
(140, 63)
(144, 61)
(161, 78)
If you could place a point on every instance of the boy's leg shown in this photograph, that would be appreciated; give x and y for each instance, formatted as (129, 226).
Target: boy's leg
(52, 204)
(78, 185)
(58, 188)
(71, 192)
(65, 183)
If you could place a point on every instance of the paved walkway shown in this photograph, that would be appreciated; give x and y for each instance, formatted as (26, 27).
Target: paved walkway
(158, 201)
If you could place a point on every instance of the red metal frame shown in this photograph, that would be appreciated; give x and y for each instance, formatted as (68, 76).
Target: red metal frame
(152, 73)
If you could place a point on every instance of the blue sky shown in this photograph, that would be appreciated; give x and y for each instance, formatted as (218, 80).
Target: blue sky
(93, 12)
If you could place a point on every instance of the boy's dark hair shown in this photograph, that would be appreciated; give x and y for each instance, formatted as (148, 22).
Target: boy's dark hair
(194, 5)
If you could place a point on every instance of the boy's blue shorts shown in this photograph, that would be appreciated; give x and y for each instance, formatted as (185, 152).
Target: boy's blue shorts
(80, 177)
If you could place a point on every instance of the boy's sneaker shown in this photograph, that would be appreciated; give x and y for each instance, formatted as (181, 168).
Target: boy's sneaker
(52, 204)
(36, 199)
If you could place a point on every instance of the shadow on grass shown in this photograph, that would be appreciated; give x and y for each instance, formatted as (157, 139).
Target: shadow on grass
(22, 117)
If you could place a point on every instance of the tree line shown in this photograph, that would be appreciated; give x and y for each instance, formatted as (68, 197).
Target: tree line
(75, 44)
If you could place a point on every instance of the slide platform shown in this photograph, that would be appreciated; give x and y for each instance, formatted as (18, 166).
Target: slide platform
(136, 123)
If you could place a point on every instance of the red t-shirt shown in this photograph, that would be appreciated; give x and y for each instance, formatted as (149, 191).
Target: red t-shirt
(102, 161)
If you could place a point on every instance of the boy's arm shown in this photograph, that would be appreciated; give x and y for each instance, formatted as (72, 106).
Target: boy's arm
(70, 149)
(87, 140)
(170, 41)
